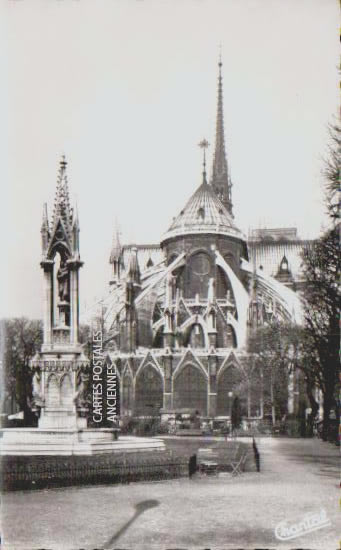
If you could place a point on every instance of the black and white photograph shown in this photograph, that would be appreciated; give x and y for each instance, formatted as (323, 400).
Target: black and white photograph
(170, 279)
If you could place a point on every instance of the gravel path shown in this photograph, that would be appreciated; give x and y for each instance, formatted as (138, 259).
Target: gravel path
(298, 477)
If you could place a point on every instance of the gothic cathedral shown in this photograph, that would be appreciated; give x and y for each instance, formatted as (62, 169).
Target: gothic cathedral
(178, 325)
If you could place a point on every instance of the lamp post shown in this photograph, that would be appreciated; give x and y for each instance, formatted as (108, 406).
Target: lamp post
(230, 394)
(291, 381)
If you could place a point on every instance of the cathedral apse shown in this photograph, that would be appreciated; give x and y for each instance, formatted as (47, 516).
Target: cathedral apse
(178, 314)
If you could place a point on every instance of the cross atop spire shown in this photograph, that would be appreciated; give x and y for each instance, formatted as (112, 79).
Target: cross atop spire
(204, 145)
(220, 179)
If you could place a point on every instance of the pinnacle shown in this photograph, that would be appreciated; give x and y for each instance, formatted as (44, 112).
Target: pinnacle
(116, 247)
(62, 210)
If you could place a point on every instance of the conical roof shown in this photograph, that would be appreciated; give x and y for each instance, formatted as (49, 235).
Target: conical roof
(204, 213)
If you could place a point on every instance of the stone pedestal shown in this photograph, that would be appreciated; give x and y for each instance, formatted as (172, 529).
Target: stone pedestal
(38, 441)
(57, 384)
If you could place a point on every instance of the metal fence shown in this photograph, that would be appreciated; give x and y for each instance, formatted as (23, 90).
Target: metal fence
(38, 472)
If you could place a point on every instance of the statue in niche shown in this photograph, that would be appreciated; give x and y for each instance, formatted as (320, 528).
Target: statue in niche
(211, 290)
(63, 282)
(81, 396)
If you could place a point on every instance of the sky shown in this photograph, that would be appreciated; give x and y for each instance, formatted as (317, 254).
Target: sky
(126, 89)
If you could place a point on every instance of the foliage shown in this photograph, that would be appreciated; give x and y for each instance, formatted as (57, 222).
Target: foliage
(85, 338)
(332, 172)
(270, 348)
(282, 348)
(236, 414)
(322, 268)
(22, 337)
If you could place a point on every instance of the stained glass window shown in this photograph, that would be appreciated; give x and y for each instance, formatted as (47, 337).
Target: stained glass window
(148, 392)
(190, 390)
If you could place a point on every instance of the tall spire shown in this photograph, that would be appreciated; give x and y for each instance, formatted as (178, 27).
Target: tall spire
(62, 208)
(220, 179)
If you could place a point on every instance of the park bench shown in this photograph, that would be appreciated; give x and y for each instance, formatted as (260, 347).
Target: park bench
(207, 461)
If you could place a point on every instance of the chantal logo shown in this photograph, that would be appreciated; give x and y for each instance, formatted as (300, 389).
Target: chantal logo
(310, 522)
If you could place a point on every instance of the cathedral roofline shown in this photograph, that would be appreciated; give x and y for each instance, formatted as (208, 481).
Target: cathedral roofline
(204, 213)
(199, 230)
(253, 243)
(140, 246)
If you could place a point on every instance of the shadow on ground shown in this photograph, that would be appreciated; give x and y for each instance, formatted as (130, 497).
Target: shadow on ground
(140, 507)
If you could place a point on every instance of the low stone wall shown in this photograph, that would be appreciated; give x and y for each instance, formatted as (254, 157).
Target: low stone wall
(36, 472)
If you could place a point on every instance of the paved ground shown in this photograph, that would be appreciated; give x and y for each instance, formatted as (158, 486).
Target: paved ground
(298, 476)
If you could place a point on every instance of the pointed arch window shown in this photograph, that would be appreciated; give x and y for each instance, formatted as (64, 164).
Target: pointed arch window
(231, 384)
(127, 386)
(190, 389)
(198, 273)
(284, 265)
(148, 392)
(196, 337)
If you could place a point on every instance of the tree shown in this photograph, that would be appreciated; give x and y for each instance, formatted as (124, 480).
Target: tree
(22, 337)
(236, 414)
(280, 349)
(319, 346)
(85, 338)
(322, 267)
(299, 354)
(270, 351)
(331, 173)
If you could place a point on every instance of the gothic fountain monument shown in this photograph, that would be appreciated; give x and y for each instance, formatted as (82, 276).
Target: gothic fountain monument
(60, 369)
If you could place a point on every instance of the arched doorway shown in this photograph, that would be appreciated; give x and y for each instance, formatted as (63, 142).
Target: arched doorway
(148, 392)
(231, 384)
(190, 389)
